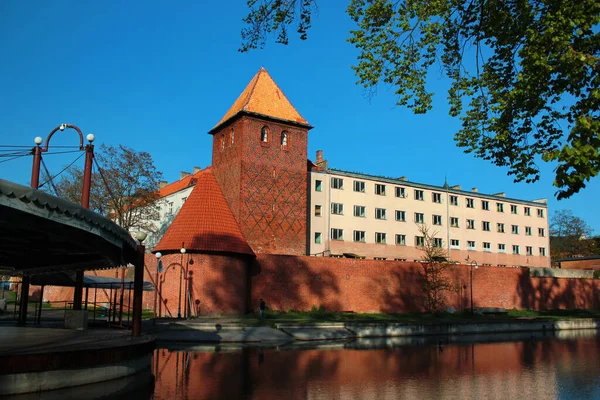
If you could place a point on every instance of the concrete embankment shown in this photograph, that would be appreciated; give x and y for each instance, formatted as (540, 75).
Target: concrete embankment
(191, 331)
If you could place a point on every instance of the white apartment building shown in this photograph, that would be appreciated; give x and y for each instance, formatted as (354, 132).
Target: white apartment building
(378, 218)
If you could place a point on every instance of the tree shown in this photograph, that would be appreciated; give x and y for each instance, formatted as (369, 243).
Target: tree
(570, 236)
(435, 264)
(520, 71)
(124, 189)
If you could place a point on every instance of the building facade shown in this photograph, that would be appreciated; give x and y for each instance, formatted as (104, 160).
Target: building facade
(286, 204)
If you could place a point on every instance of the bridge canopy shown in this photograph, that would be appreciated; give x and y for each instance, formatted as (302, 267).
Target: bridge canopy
(41, 233)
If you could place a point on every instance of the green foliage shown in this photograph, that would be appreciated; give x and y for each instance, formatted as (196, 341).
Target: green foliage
(569, 236)
(525, 75)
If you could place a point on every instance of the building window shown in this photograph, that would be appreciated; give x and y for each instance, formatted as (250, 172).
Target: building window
(318, 184)
(487, 247)
(514, 229)
(419, 195)
(318, 237)
(232, 136)
(317, 210)
(485, 225)
(470, 224)
(223, 143)
(170, 209)
(337, 183)
(401, 240)
(436, 197)
(337, 234)
(380, 189)
(485, 205)
(500, 207)
(264, 134)
(515, 249)
(437, 242)
(359, 186)
(420, 241)
(455, 244)
(527, 231)
(541, 232)
(500, 228)
(337, 208)
(501, 248)
(380, 238)
(542, 251)
(454, 200)
(471, 245)
(527, 211)
(419, 218)
(380, 213)
(540, 213)
(437, 219)
(359, 211)
(400, 216)
(400, 192)
(470, 203)
(183, 199)
(529, 250)
(284, 139)
(514, 209)
(454, 222)
(359, 236)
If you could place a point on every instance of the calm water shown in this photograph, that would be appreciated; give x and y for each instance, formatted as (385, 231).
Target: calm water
(565, 366)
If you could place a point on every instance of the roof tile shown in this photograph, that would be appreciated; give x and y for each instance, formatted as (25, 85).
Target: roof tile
(262, 96)
(205, 222)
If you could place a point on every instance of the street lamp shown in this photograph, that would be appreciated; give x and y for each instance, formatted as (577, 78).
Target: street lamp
(472, 264)
(158, 268)
(180, 282)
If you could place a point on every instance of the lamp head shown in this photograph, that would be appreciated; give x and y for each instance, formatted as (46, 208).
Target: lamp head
(182, 250)
(62, 127)
(90, 137)
(38, 140)
(141, 236)
(158, 255)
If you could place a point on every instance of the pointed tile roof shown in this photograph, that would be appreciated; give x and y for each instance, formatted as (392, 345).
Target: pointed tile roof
(205, 222)
(262, 96)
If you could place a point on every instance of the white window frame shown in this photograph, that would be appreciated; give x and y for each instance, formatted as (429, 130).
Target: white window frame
(380, 238)
(419, 195)
(380, 189)
(422, 219)
(359, 186)
(380, 213)
(402, 214)
(337, 234)
(337, 183)
(337, 209)
(400, 192)
(400, 239)
(471, 245)
(362, 236)
(359, 214)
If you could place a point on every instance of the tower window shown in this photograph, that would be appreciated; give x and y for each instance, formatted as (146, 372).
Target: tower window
(264, 134)
(284, 139)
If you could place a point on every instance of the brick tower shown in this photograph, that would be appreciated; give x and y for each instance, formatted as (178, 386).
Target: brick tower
(259, 159)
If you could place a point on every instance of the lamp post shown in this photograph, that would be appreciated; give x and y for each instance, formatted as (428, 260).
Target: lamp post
(85, 196)
(180, 282)
(158, 268)
(472, 264)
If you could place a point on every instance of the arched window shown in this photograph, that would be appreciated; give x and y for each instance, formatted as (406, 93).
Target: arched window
(223, 142)
(232, 135)
(284, 138)
(264, 134)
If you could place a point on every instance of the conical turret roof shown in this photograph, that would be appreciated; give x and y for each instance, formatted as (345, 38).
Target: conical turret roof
(205, 222)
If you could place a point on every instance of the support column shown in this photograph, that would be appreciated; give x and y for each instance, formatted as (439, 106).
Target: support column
(24, 300)
(78, 294)
(39, 319)
(138, 286)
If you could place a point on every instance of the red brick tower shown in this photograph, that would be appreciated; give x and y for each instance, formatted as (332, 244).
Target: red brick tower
(259, 159)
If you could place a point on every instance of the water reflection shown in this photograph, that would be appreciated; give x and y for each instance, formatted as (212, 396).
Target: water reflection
(531, 366)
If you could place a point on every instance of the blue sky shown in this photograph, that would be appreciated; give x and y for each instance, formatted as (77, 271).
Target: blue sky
(156, 76)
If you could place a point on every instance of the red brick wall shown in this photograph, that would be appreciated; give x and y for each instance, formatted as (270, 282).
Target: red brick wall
(219, 284)
(265, 184)
(580, 264)
(289, 282)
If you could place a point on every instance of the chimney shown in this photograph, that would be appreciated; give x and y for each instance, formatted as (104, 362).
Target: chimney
(403, 178)
(475, 190)
(184, 174)
(197, 169)
(322, 164)
(162, 184)
(319, 156)
(455, 187)
(501, 194)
